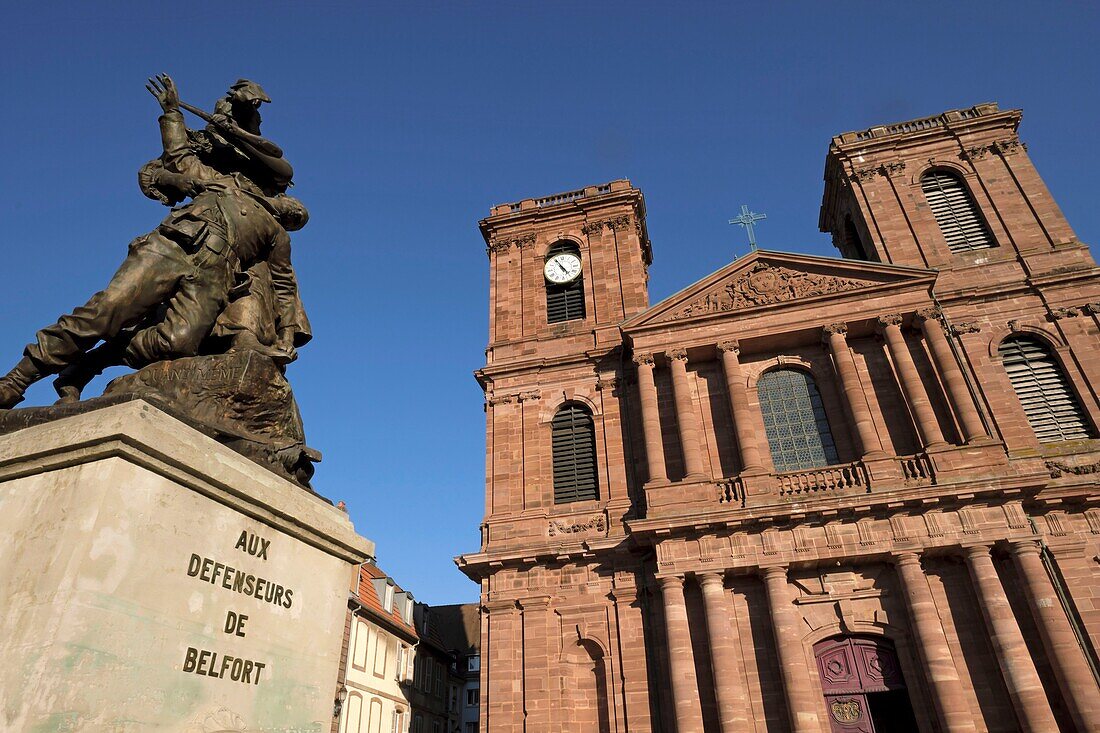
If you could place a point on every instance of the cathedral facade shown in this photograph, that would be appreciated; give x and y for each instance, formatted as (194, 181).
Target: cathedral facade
(803, 494)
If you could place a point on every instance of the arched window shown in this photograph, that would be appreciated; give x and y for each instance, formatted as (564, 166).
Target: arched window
(1049, 402)
(956, 213)
(853, 243)
(794, 420)
(573, 437)
(565, 300)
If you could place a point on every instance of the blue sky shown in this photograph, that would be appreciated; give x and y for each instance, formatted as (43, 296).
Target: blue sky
(406, 121)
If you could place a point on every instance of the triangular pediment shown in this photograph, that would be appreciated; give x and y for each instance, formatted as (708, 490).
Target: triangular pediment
(764, 278)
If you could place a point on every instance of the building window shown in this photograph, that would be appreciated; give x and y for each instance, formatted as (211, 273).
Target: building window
(1049, 401)
(473, 697)
(399, 664)
(853, 243)
(437, 727)
(362, 640)
(471, 728)
(564, 301)
(956, 213)
(381, 649)
(794, 421)
(573, 438)
(387, 599)
(473, 664)
(440, 671)
(400, 720)
(418, 723)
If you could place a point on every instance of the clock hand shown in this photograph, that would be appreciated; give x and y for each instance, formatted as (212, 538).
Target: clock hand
(562, 268)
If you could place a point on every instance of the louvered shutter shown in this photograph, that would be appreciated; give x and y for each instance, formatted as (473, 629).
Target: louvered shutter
(1049, 402)
(565, 302)
(574, 450)
(955, 211)
(794, 421)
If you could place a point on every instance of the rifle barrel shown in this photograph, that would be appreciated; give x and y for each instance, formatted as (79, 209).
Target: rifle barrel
(196, 111)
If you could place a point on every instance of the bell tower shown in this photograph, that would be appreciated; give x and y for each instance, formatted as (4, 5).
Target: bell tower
(533, 311)
(564, 272)
(952, 192)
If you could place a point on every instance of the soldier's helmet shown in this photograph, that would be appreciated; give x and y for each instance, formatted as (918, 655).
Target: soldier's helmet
(248, 92)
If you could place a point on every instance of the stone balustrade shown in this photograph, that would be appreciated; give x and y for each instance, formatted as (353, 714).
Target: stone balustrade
(827, 478)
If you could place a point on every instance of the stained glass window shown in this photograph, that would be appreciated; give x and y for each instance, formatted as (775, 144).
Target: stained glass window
(795, 422)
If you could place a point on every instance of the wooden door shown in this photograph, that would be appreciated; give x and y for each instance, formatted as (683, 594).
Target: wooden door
(851, 668)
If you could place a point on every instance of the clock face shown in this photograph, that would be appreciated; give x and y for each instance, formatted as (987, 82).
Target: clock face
(562, 268)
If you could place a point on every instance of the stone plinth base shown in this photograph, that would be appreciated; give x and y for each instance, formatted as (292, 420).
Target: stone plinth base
(153, 579)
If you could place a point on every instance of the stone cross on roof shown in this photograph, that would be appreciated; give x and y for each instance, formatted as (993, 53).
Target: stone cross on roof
(747, 219)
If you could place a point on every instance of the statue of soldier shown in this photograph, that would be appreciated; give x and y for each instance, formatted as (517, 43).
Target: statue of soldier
(186, 268)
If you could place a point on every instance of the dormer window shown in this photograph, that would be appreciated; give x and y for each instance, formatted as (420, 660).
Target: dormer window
(387, 599)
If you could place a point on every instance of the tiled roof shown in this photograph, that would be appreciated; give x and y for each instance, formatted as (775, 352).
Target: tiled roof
(460, 627)
(370, 601)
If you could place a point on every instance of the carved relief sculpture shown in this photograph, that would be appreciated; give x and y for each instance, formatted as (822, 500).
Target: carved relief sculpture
(766, 284)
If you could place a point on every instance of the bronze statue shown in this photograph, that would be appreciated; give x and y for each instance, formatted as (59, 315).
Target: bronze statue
(213, 280)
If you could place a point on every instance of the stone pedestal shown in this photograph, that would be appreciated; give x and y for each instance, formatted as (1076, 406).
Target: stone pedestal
(154, 579)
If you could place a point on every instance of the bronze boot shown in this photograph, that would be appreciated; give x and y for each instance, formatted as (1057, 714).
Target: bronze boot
(15, 383)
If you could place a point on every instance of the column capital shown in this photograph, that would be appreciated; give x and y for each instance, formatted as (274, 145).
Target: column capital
(731, 345)
(976, 551)
(677, 354)
(906, 559)
(1024, 547)
(643, 359)
(535, 603)
(505, 606)
(835, 329)
(774, 571)
(711, 578)
(931, 313)
(671, 582)
(890, 319)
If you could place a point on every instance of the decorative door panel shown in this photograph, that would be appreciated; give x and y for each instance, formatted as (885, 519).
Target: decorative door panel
(836, 664)
(849, 714)
(877, 666)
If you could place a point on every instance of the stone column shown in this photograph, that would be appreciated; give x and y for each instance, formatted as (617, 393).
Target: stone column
(802, 705)
(911, 385)
(935, 652)
(747, 443)
(1066, 657)
(681, 661)
(957, 392)
(502, 680)
(538, 704)
(1017, 667)
(651, 421)
(691, 434)
(723, 655)
(865, 433)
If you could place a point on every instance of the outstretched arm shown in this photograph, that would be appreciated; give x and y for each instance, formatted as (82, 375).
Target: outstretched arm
(178, 156)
